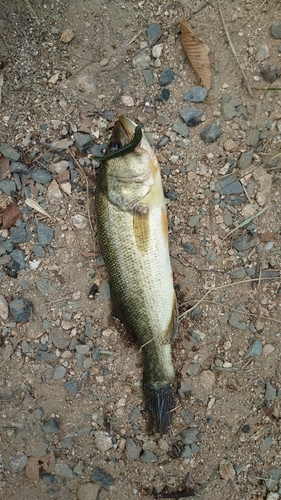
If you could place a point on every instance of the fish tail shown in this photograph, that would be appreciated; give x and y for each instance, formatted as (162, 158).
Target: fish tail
(159, 403)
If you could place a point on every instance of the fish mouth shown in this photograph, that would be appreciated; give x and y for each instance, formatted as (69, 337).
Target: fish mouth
(127, 126)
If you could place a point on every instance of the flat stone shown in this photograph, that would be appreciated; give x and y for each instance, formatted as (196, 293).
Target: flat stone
(189, 248)
(186, 452)
(185, 390)
(188, 436)
(21, 310)
(180, 127)
(230, 185)
(162, 119)
(83, 142)
(245, 159)
(197, 94)
(194, 219)
(88, 491)
(276, 30)
(255, 349)
(18, 461)
(103, 441)
(78, 468)
(269, 72)
(154, 32)
(193, 369)
(79, 221)
(72, 387)
(237, 319)
(54, 193)
(171, 195)
(104, 291)
(46, 285)
(164, 95)
(211, 133)
(133, 450)
(59, 372)
(46, 356)
(273, 478)
(163, 141)
(50, 426)
(142, 60)
(41, 175)
(26, 348)
(241, 111)
(59, 337)
(19, 168)
(234, 201)
(166, 77)
(4, 310)
(191, 116)
(270, 392)
(103, 478)
(228, 111)
(67, 442)
(8, 187)
(19, 234)
(242, 243)
(9, 152)
(64, 470)
(149, 456)
(45, 234)
(38, 251)
(148, 76)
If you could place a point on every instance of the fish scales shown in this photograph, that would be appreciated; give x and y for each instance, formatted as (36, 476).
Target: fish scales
(133, 236)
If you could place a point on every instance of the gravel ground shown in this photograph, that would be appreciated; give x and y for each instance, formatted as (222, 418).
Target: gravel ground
(72, 418)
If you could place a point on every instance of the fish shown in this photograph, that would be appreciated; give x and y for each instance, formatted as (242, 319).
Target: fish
(132, 229)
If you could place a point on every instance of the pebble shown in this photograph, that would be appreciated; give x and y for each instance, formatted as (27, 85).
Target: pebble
(72, 387)
(189, 248)
(191, 116)
(47, 357)
(185, 390)
(103, 478)
(38, 251)
(103, 441)
(255, 349)
(230, 185)
(88, 491)
(270, 392)
(59, 372)
(242, 243)
(46, 285)
(50, 426)
(162, 119)
(19, 234)
(18, 461)
(26, 348)
(194, 219)
(262, 53)
(104, 291)
(8, 187)
(19, 168)
(193, 369)
(79, 221)
(166, 77)
(154, 32)
(64, 470)
(245, 159)
(67, 442)
(273, 478)
(197, 94)
(157, 50)
(133, 450)
(17, 261)
(42, 176)
(59, 337)
(230, 146)
(180, 127)
(186, 452)
(237, 320)
(82, 348)
(83, 142)
(20, 309)
(148, 456)
(148, 76)
(275, 30)
(4, 310)
(188, 436)
(211, 133)
(228, 111)
(54, 193)
(266, 445)
(164, 95)
(78, 468)
(45, 234)
(142, 60)
(162, 142)
(49, 479)
(9, 152)
(269, 72)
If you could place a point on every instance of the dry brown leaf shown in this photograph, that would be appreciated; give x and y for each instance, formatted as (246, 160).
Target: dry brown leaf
(197, 54)
(4, 167)
(37, 464)
(11, 214)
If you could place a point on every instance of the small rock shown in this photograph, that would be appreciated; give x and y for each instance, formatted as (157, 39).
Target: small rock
(162, 119)
(273, 496)
(50, 426)
(197, 94)
(272, 481)
(193, 369)
(59, 337)
(133, 450)
(46, 285)
(228, 111)
(8, 187)
(67, 442)
(188, 436)
(194, 219)
(191, 116)
(48, 479)
(211, 133)
(164, 95)
(262, 53)
(270, 392)
(17, 261)
(186, 452)
(66, 36)
(142, 60)
(266, 445)
(88, 491)
(227, 471)
(230, 185)
(59, 372)
(103, 478)
(45, 234)
(79, 221)
(189, 248)
(166, 77)
(83, 142)
(154, 32)
(78, 468)
(269, 72)
(19, 168)
(26, 348)
(9, 152)
(64, 470)
(18, 461)
(148, 76)
(20, 309)
(162, 142)
(230, 146)
(157, 50)
(185, 390)
(104, 291)
(72, 387)
(46, 356)
(180, 127)
(245, 159)
(255, 349)
(54, 193)
(38, 251)
(4, 310)
(103, 441)
(275, 30)
(242, 243)
(42, 176)
(127, 100)
(237, 318)
(148, 456)
(19, 234)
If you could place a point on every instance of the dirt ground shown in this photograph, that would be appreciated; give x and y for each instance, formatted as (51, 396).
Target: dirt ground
(226, 391)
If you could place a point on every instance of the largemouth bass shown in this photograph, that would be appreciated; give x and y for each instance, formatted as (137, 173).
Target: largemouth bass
(133, 236)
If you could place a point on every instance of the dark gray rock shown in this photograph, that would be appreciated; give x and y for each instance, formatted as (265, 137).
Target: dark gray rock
(64, 470)
(19, 168)
(9, 152)
(84, 431)
(234, 200)
(242, 243)
(276, 29)
(148, 456)
(166, 77)
(38, 251)
(228, 111)
(45, 234)
(269, 274)
(20, 309)
(185, 390)
(46, 356)
(103, 478)
(8, 245)
(211, 133)
(164, 95)
(162, 142)
(104, 291)
(171, 195)
(42, 176)
(180, 127)
(19, 234)
(188, 248)
(186, 452)
(83, 142)
(241, 111)
(154, 31)
(72, 387)
(18, 461)
(255, 349)
(245, 159)
(50, 426)
(148, 77)
(197, 94)
(8, 187)
(67, 442)
(237, 318)
(48, 479)
(230, 185)
(26, 348)
(187, 416)
(191, 116)
(133, 450)
(269, 72)
(109, 115)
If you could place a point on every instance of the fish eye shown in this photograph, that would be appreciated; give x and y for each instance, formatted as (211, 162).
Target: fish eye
(115, 146)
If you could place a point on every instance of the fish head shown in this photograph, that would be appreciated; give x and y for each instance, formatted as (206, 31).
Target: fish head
(123, 133)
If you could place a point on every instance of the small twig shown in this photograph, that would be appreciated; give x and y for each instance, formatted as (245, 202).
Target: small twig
(233, 50)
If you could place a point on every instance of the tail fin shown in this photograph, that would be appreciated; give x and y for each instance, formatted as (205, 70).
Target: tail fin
(159, 402)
